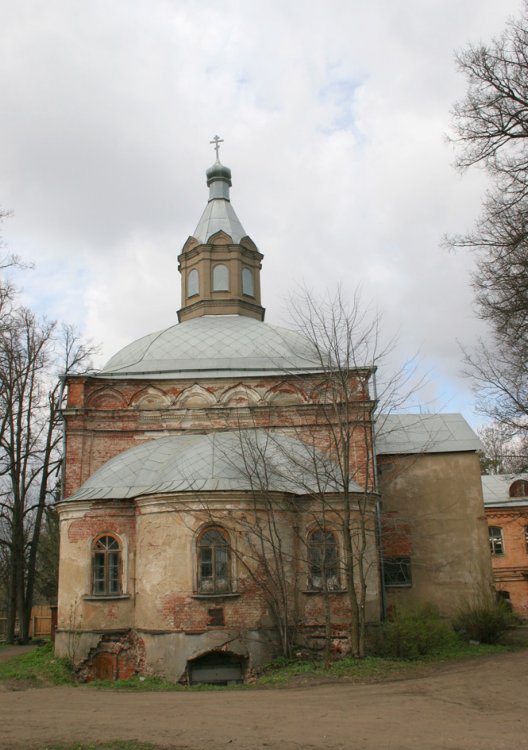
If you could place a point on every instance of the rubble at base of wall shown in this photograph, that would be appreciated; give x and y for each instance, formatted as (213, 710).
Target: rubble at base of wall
(118, 656)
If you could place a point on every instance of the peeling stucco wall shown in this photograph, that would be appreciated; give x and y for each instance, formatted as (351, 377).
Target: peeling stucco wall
(433, 511)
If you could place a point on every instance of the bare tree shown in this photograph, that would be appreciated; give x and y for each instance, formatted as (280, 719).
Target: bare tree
(334, 467)
(32, 352)
(504, 452)
(311, 531)
(348, 344)
(270, 558)
(491, 131)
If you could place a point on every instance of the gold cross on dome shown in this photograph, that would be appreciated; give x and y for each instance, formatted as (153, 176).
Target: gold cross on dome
(217, 141)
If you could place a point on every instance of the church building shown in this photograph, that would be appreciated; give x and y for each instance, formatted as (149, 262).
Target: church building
(210, 519)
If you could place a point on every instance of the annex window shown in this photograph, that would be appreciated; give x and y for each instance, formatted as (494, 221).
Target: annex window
(495, 540)
(193, 283)
(505, 598)
(220, 278)
(213, 562)
(247, 282)
(397, 571)
(322, 556)
(519, 488)
(526, 538)
(106, 566)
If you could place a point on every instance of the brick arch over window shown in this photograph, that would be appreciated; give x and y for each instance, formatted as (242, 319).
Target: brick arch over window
(106, 398)
(519, 488)
(107, 565)
(150, 398)
(239, 395)
(195, 397)
(213, 553)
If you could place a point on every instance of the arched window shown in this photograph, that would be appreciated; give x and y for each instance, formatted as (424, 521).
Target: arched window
(247, 282)
(193, 283)
(106, 566)
(213, 562)
(220, 278)
(519, 488)
(495, 540)
(322, 557)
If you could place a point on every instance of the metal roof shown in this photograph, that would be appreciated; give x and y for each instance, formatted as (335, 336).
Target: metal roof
(219, 213)
(214, 346)
(424, 433)
(213, 462)
(496, 490)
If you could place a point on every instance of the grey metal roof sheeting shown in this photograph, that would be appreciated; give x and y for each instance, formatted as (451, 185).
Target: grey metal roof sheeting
(219, 215)
(424, 433)
(496, 490)
(241, 460)
(214, 346)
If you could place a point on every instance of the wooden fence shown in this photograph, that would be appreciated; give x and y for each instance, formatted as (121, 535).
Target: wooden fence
(39, 625)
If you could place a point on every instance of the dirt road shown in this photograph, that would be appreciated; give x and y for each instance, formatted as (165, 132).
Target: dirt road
(7, 652)
(475, 705)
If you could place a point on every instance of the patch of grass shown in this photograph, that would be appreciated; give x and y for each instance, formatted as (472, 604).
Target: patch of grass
(39, 667)
(464, 650)
(307, 671)
(369, 669)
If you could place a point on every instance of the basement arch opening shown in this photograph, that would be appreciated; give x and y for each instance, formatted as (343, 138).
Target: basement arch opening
(217, 668)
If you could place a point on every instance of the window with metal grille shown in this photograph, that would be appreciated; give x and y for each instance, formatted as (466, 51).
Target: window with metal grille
(397, 571)
(106, 566)
(323, 561)
(495, 540)
(213, 562)
(216, 616)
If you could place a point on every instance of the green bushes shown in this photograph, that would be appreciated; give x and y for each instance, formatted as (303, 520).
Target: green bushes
(416, 632)
(484, 621)
(413, 633)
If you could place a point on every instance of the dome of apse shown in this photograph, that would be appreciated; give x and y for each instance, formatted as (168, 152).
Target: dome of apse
(212, 462)
(214, 346)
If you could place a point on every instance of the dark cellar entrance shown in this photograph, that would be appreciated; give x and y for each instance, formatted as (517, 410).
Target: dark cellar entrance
(216, 668)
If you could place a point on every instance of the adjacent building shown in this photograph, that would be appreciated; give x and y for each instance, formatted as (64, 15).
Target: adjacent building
(506, 503)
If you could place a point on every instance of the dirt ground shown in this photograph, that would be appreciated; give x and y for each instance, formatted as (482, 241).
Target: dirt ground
(473, 705)
(7, 652)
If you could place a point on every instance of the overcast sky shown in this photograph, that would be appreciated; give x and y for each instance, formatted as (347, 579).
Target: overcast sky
(334, 117)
